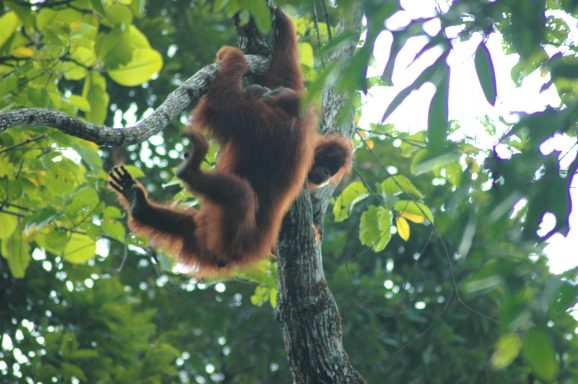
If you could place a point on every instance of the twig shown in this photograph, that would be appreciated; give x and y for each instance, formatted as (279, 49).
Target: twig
(27, 141)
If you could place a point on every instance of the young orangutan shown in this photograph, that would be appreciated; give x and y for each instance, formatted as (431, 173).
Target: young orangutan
(268, 149)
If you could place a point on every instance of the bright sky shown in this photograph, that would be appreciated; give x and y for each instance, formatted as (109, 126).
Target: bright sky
(467, 102)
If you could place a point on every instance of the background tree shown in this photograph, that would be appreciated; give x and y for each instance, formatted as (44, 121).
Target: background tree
(447, 283)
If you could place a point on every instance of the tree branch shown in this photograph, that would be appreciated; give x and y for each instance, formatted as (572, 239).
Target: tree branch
(182, 98)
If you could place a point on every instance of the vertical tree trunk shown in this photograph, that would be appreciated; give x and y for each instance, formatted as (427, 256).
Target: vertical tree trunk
(309, 318)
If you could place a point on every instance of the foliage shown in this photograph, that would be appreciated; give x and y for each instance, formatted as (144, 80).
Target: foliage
(447, 282)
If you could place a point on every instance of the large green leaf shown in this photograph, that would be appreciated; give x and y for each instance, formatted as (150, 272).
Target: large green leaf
(79, 249)
(94, 91)
(375, 228)
(540, 354)
(397, 184)
(351, 195)
(437, 128)
(8, 224)
(144, 64)
(17, 252)
(507, 349)
(9, 23)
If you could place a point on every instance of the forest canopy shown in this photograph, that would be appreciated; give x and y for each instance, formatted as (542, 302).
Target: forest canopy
(432, 248)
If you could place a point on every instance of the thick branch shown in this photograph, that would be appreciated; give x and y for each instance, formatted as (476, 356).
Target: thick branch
(182, 98)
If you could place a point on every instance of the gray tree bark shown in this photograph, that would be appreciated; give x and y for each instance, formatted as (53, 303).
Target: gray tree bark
(309, 317)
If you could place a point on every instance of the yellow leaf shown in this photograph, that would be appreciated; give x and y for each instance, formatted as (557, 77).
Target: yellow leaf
(370, 144)
(22, 52)
(413, 217)
(402, 228)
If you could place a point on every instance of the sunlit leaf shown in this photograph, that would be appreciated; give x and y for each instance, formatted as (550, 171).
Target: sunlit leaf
(79, 102)
(402, 228)
(95, 92)
(119, 14)
(351, 195)
(507, 349)
(22, 52)
(306, 55)
(144, 64)
(54, 242)
(9, 23)
(114, 229)
(79, 248)
(398, 184)
(375, 228)
(418, 219)
(17, 252)
(414, 208)
(8, 224)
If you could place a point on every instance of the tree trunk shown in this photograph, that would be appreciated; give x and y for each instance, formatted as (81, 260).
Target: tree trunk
(309, 318)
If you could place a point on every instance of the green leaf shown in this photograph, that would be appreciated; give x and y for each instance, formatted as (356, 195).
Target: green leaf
(8, 224)
(134, 171)
(427, 161)
(95, 92)
(437, 128)
(507, 349)
(79, 102)
(48, 18)
(260, 296)
(306, 55)
(9, 23)
(375, 228)
(260, 13)
(79, 249)
(351, 195)
(539, 352)
(564, 298)
(114, 48)
(84, 55)
(112, 212)
(17, 253)
(114, 229)
(85, 199)
(119, 14)
(98, 6)
(414, 208)
(144, 64)
(397, 184)
(41, 218)
(273, 297)
(54, 242)
(486, 74)
(137, 38)
(454, 173)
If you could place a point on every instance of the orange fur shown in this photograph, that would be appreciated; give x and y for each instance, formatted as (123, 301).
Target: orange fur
(267, 152)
